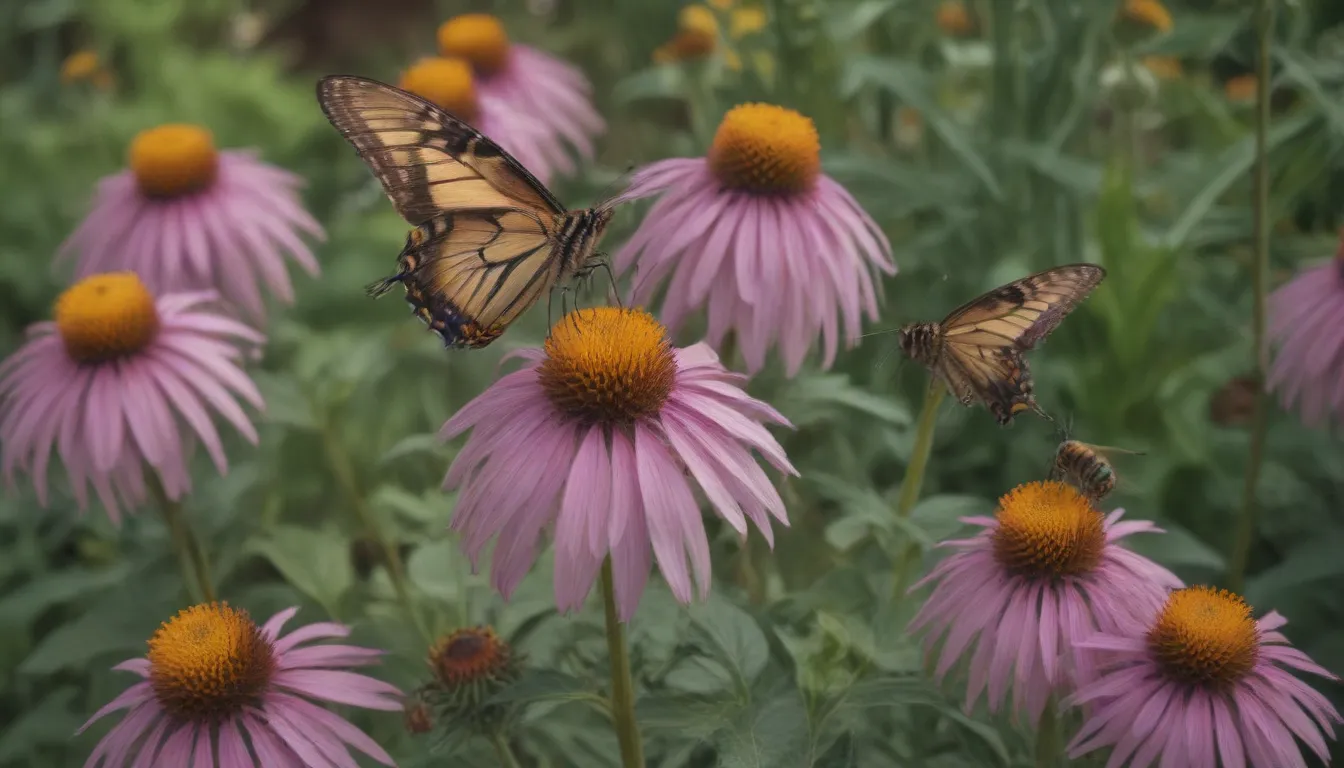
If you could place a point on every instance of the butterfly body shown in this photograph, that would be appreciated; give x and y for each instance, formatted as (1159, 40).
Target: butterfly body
(978, 349)
(489, 238)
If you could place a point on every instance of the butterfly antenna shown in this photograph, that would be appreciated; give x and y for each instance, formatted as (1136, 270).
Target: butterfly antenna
(379, 287)
(608, 201)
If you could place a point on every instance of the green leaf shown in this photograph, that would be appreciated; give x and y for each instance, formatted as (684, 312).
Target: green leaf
(773, 734)
(1316, 560)
(50, 722)
(315, 562)
(544, 685)
(285, 401)
(1176, 548)
(24, 604)
(732, 636)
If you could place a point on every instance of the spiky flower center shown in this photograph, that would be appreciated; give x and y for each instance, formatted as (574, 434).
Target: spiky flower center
(105, 317)
(174, 159)
(766, 149)
(1150, 13)
(954, 18)
(1048, 529)
(447, 82)
(209, 662)
(469, 656)
(1205, 637)
(477, 37)
(608, 365)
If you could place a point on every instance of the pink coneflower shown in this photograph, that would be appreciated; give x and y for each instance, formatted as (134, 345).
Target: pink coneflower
(1046, 570)
(214, 680)
(449, 83)
(547, 90)
(187, 217)
(112, 384)
(595, 436)
(1306, 323)
(1206, 686)
(754, 231)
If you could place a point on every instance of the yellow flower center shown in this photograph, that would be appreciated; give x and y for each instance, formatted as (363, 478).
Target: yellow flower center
(79, 66)
(104, 317)
(174, 159)
(1164, 67)
(954, 18)
(1241, 89)
(766, 149)
(746, 21)
(1150, 13)
(608, 365)
(477, 37)
(1048, 529)
(1206, 637)
(469, 656)
(447, 82)
(209, 662)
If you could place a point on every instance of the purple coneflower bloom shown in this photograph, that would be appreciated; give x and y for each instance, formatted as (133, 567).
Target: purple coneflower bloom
(547, 90)
(1207, 685)
(450, 84)
(755, 232)
(598, 436)
(224, 692)
(186, 217)
(1306, 323)
(112, 383)
(1045, 571)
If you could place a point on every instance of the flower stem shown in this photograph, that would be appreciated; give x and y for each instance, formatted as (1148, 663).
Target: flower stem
(503, 751)
(190, 553)
(1241, 545)
(914, 474)
(622, 685)
(344, 469)
(1048, 741)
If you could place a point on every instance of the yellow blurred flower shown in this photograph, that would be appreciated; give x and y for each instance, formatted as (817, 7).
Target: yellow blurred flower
(698, 18)
(685, 45)
(954, 18)
(699, 35)
(1241, 89)
(746, 21)
(1150, 13)
(1164, 67)
(80, 66)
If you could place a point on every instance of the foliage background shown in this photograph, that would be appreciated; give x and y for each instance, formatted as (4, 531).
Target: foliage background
(1023, 160)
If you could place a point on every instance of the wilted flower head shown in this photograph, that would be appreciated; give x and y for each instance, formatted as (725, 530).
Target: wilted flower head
(1200, 683)
(757, 233)
(1306, 325)
(450, 84)
(529, 82)
(216, 684)
(187, 217)
(114, 383)
(1046, 570)
(597, 437)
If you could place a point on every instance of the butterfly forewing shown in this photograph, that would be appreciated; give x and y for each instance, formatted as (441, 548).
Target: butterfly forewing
(490, 240)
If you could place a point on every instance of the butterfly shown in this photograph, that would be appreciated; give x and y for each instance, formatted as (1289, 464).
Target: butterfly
(977, 350)
(489, 238)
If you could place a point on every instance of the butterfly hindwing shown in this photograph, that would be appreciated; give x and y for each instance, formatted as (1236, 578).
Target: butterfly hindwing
(981, 343)
(428, 161)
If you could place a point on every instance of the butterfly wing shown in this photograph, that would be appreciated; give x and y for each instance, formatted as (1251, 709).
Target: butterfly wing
(428, 161)
(476, 271)
(983, 340)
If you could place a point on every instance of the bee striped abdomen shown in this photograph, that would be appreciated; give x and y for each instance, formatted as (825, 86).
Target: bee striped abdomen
(1087, 470)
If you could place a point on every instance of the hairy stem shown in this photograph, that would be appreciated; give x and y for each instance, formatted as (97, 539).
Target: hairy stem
(190, 553)
(1049, 745)
(914, 475)
(503, 751)
(622, 684)
(1245, 535)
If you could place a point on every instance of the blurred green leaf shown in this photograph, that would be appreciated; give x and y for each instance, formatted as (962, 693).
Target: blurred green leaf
(315, 562)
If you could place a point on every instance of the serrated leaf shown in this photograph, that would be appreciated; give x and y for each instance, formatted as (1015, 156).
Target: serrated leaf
(732, 636)
(544, 685)
(772, 734)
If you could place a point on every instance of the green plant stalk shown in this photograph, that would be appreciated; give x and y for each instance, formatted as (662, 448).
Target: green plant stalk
(1049, 744)
(344, 469)
(622, 685)
(914, 474)
(503, 751)
(190, 553)
(1241, 544)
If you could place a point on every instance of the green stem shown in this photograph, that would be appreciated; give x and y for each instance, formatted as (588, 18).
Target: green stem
(190, 553)
(1241, 545)
(914, 474)
(622, 685)
(344, 469)
(503, 751)
(1049, 744)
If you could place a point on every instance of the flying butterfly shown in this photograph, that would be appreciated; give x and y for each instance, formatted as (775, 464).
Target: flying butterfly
(489, 238)
(1087, 468)
(977, 350)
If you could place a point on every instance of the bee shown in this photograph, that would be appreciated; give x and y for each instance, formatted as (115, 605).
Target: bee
(1086, 468)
